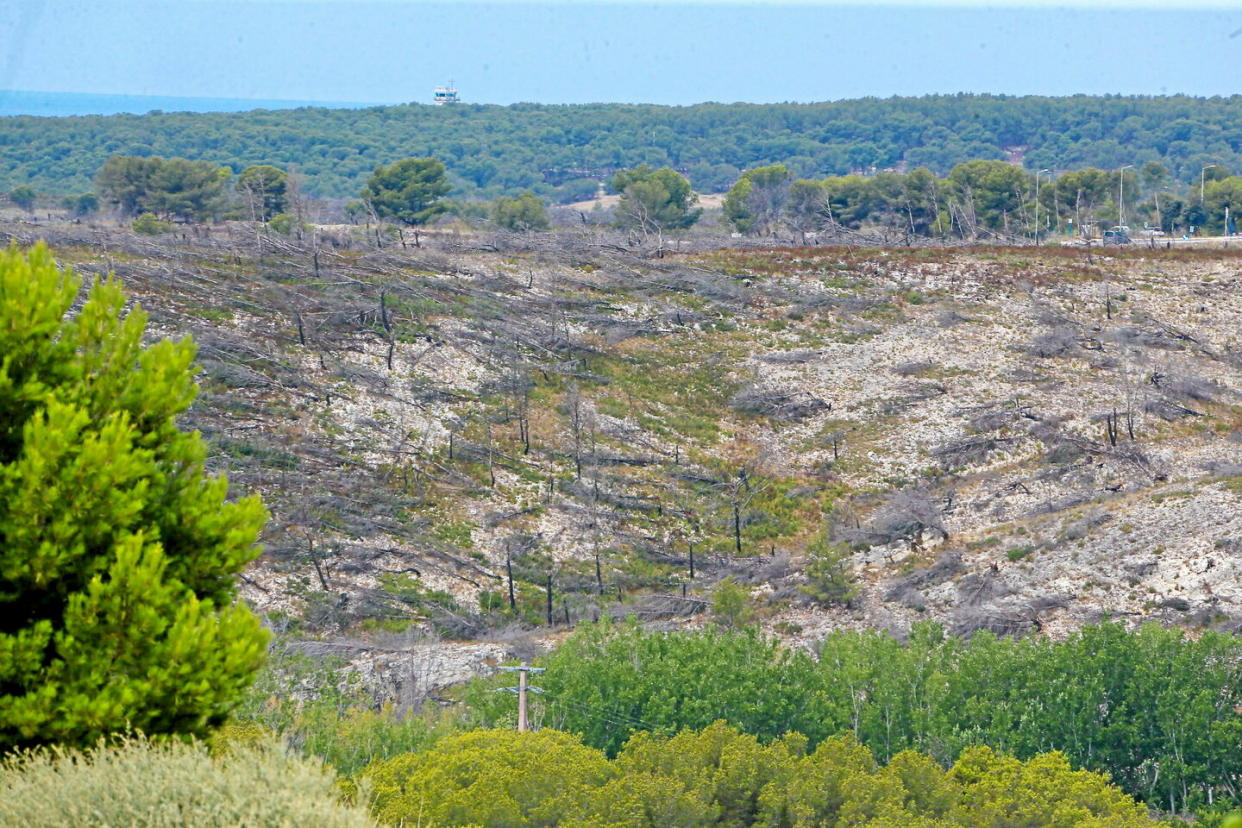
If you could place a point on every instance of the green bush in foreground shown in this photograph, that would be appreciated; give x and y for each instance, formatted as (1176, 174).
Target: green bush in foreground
(489, 777)
(153, 785)
(720, 777)
(118, 554)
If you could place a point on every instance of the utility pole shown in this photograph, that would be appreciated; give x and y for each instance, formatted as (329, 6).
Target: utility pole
(521, 690)
(522, 701)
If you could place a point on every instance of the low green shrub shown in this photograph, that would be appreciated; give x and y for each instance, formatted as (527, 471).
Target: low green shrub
(731, 605)
(148, 225)
(285, 224)
(719, 776)
(1020, 552)
(137, 782)
(488, 777)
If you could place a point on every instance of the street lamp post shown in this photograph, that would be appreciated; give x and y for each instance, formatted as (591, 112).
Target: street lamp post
(1121, 195)
(1201, 172)
(1201, 181)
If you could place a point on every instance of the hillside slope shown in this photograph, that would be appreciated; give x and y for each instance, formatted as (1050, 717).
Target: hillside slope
(1009, 439)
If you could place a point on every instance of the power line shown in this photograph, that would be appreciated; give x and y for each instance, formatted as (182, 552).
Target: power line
(521, 690)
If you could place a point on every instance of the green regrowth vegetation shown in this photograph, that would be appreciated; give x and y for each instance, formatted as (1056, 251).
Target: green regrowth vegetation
(721, 777)
(522, 213)
(829, 579)
(1154, 709)
(117, 553)
(318, 706)
(731, 604)
(675, 386)
(148, 225)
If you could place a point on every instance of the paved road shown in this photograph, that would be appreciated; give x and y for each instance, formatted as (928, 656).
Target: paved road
(1165, 241)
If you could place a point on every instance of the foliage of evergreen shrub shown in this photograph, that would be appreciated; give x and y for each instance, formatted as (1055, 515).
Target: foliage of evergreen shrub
(721, 777)
(148, 225)
(1153, 708)
(117, 553)
(143, 784)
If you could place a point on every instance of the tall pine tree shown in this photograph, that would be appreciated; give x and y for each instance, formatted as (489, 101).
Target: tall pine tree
(117, 555)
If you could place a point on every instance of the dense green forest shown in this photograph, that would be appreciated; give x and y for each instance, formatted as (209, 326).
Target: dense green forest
(978, 199)
(1154, 709)
(557, 151)
(735, 717)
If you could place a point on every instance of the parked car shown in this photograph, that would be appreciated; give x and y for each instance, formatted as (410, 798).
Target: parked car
(1118, 235)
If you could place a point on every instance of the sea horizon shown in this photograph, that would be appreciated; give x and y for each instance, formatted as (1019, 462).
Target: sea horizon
(16, 102)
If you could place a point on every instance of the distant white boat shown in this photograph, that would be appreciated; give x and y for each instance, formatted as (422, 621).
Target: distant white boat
(446, 95)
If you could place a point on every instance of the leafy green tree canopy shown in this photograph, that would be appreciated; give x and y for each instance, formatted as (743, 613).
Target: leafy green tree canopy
(654, 200)
(81, 205)
(520, 214)
(720, 777)
(577, 189)
(117, 554)
(489, 777)
(125, 182)
(537, 147)
(263, 187)
(993, 191)
(172, 188)
(23, 196)
(1127, 703)
(609, 677)
(755, 203)
(408, 191)
(1224, 195)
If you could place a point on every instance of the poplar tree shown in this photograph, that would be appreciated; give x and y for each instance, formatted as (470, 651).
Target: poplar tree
(117, 554)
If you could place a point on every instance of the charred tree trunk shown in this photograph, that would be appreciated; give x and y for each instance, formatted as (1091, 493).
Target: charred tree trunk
(550, 619)
(509, 576)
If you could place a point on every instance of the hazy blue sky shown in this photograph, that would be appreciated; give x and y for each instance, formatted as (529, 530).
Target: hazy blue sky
(570, 52)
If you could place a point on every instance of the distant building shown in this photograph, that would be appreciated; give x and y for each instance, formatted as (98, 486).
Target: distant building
(446, 95)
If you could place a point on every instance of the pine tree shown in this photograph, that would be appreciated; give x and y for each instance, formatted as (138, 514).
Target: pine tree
(828, 577)
(117, 555)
